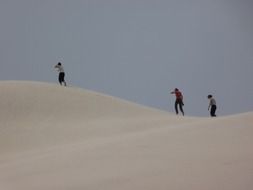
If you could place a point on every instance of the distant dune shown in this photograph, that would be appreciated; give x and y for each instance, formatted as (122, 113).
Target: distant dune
(66, 138)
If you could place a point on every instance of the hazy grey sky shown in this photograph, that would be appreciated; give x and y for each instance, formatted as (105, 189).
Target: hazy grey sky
(138, 50)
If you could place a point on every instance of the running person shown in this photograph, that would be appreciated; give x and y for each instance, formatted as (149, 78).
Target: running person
(179, 100)
(61, 74)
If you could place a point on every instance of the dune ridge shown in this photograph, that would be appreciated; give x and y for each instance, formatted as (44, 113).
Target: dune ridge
(52, 137)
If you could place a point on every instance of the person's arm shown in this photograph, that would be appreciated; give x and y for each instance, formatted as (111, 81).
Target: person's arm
(209, 105)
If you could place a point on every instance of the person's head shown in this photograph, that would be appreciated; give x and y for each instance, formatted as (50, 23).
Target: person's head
(209, 96)
(176, 90)
(59, 64)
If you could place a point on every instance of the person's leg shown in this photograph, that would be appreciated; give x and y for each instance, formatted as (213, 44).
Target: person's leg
(63, 79)
(213, 110)
(176, 103)
(60, 78)
(181, 107)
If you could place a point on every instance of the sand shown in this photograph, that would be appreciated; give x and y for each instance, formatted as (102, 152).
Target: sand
(67, 138)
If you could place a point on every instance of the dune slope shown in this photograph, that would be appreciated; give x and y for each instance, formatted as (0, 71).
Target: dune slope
(37, 115)
(53, 137)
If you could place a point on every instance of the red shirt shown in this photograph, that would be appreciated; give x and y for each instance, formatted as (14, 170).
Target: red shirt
(178, 95)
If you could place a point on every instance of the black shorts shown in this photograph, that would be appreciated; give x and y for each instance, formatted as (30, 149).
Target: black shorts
(61, 77)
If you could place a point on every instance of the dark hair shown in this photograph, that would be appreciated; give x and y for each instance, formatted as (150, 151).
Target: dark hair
(59, 63)
(209, 96)
(176, 89)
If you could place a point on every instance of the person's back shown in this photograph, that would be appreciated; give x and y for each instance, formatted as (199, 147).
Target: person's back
(60, 68)
(212, 101)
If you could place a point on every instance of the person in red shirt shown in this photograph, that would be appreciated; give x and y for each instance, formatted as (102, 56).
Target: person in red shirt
(179, 100)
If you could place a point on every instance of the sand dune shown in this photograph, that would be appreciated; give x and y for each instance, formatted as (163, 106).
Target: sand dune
(52, 137)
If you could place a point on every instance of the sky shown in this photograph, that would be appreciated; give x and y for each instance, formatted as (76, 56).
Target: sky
(138, 50)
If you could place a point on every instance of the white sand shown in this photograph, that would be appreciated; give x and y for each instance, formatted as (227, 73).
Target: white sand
(57, 138)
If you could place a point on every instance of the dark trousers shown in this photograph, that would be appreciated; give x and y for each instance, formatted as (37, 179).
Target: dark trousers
(180, 103)
(61, 78)
(213, 110)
